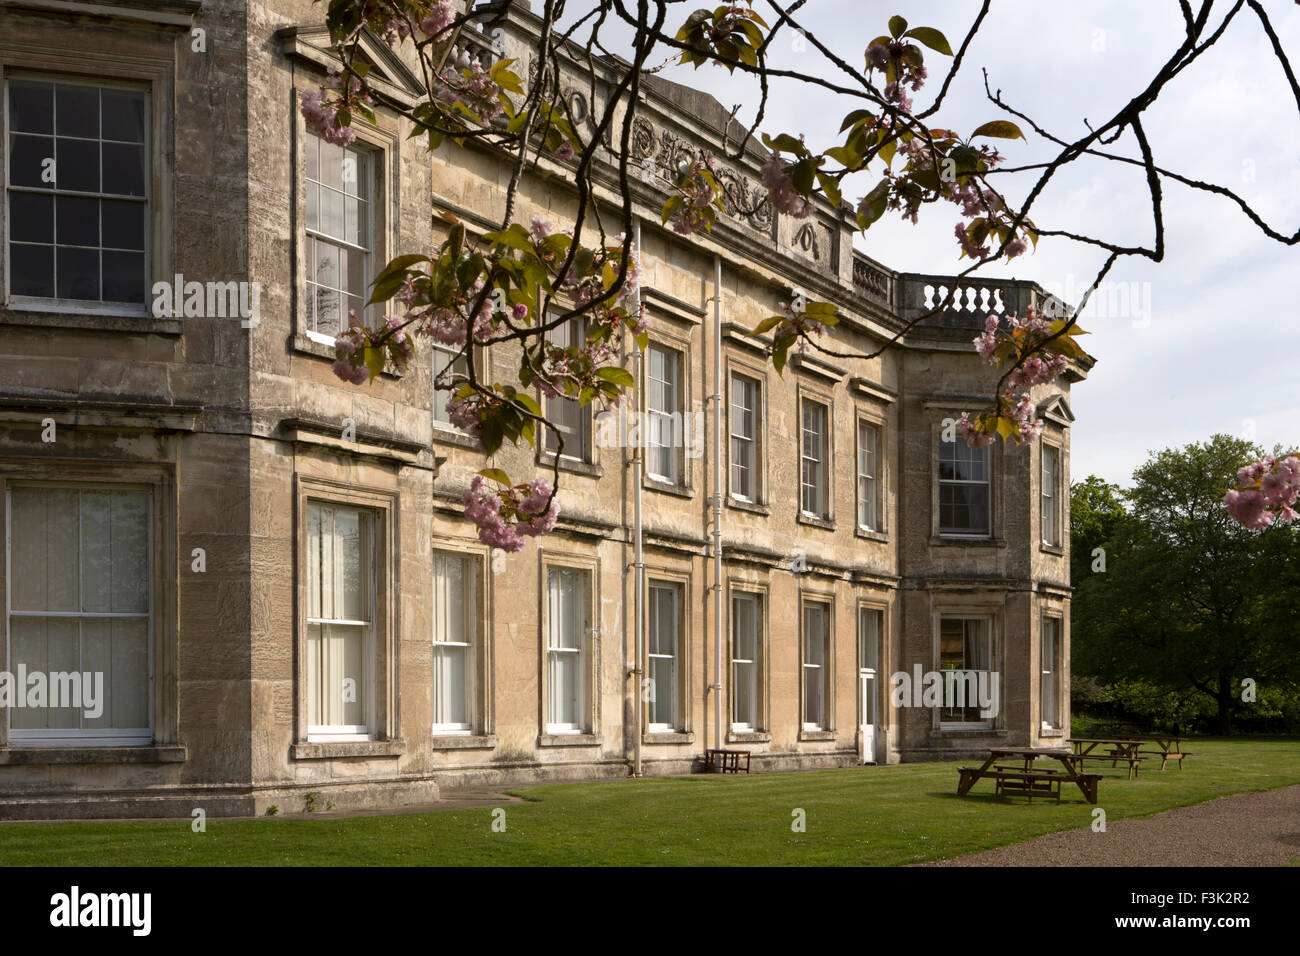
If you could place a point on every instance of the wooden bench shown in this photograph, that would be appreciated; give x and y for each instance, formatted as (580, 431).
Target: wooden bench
(1114, 758)
(725, 761)
(1166, 756)
(1043, 783)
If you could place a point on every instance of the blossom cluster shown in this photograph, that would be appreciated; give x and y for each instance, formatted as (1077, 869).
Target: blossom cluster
(1015, 336)
(776, 176)
(320, 109)
(1267, 484)
(908, 69)
(505, 517)
(696, 193)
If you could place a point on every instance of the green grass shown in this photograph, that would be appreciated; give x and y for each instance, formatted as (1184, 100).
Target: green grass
(857, 816)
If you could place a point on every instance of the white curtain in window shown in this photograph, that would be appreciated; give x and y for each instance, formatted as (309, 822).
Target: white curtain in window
(565, 629)
(339, 619)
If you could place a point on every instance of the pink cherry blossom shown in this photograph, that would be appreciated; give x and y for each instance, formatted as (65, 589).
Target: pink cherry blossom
(780, 186)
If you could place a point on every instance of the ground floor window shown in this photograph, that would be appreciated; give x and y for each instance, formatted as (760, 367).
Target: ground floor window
(664, 655)
(455, 641)
(566, 650)
(966, 660)
(746, 642)
(80, 613)
(816, 665)
(1050, 697)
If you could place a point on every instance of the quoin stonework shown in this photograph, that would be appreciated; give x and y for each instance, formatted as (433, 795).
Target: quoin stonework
(271, 568)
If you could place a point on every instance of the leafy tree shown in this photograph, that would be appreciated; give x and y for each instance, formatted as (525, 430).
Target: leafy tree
(523, 281)
(1190, 602)
(1096, 508)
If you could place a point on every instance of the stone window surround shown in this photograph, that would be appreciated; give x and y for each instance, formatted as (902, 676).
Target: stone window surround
(383, 143)
(991, 608)
(685, 724)
(156, 74)
(164, 664)
(884, 713)
(734, 364)
(384, 505)
(993, 538)
(482, 735)
(805, 391)
(1059, 612)
(672, 339)
(876, 417)
(547, 558)
(1060, 498)
(589, 466)
(829, 695)
(762, 731)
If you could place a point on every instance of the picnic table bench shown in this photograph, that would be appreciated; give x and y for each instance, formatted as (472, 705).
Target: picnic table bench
(1167, 747)
(1026, 779)
(725, 761)
(1118, 749)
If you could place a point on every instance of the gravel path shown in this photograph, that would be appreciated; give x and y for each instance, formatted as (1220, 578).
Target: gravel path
(1249, 829)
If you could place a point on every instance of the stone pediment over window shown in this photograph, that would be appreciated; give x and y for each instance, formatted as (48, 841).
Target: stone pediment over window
(1057, 409)
(389, 77)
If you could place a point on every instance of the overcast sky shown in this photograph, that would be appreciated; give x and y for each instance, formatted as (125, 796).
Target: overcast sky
(1207, 343)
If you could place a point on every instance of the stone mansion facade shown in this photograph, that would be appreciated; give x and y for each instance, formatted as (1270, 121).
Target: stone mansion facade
(215, 532)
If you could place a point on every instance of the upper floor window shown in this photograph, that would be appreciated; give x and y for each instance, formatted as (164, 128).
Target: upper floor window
(744, 424)
(77, 192)
(963, 488)
(815, 472)
(1050, 495)
(448, 363)
(567, 416)
(340, 189)
(868, 474)
(664, 407)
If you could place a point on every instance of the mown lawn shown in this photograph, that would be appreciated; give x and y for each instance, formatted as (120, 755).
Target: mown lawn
(862, 816)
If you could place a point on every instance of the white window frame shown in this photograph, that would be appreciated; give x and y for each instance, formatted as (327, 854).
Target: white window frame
(1050, 495)
(82, 306)
(753, 666)
(868, 476)
(471, 628)
(575, 334)
(78, 737)
(986, 482)
(583, 623)
(674, 658)
(822, 671)
(743, 448)
(661, 420)
(453, 356)
(820, 463)
(372, 156)
(369, 554)
(1050, 667)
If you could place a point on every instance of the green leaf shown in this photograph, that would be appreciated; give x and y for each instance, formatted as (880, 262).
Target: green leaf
(375, 359)
(516, 237)
(831, 188)
(780, 348)
(896, 26)
(784, 143)
(801, 174)
(616, 376)
(1004, 129)
(771, 322)
(932, 38)
(497, 475)
(857, 116)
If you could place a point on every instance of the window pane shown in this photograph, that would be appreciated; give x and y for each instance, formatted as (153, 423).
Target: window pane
(27, 160)
(76, 109)
(123, 169)
(32, 271)
(77, 164)
(31, 217)
(31, 106)
(123, 115)
(78, 273)
(77, 221)
(123, 224)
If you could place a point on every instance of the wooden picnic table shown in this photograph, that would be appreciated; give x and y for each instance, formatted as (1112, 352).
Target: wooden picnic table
(1168, 747)
(1119, 747)
(725, 761)
(1028, 776)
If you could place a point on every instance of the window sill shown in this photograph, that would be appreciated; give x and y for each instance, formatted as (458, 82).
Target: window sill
(667, 487)
(162, 753)
(546, 459)
(816, 735)
(748, 737)
(827, 523)
(94, 321)
(1055, 549)
(742, 505)
(668, 737)
(445, 741)
(325, 750)
(1048, 732)
(444, 435)
(568, 740)
(304, 343)
(966, 541)
(871, 535)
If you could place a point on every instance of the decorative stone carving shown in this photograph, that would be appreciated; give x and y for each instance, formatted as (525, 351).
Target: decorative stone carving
(805, 240)
(642, 142)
